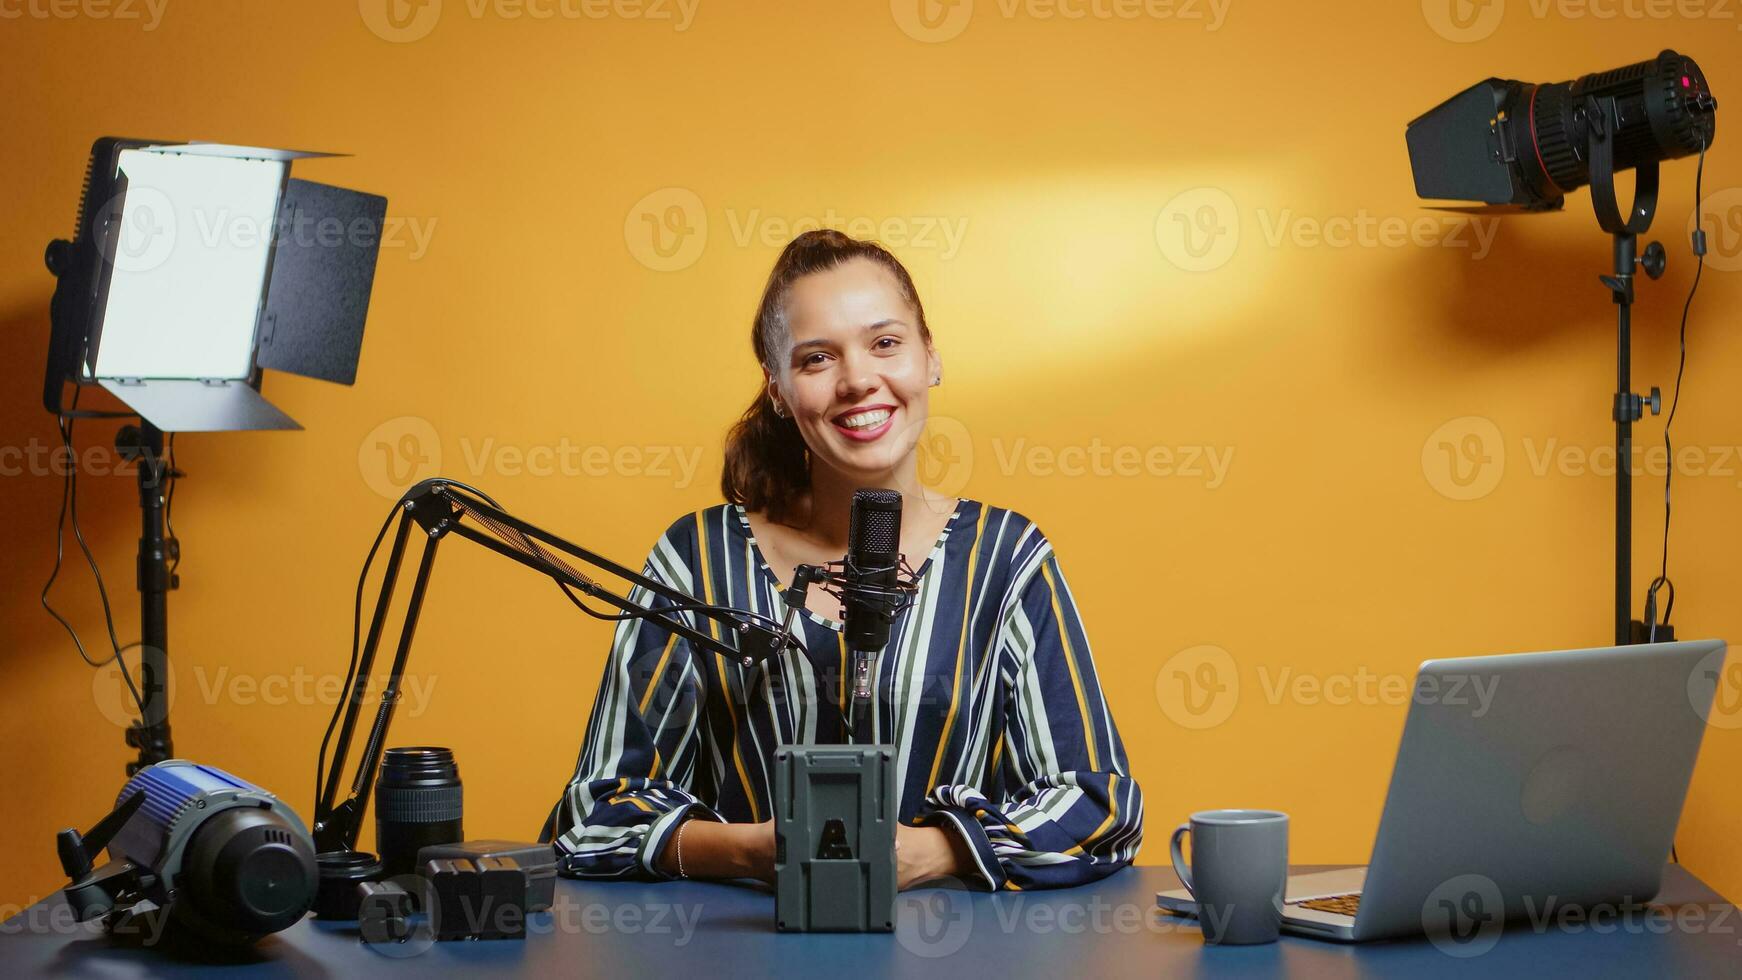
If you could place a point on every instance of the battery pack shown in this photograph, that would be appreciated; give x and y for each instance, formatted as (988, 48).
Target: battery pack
(537, 860)
(834, 833)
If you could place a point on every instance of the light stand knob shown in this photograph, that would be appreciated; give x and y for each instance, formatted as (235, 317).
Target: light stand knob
(58, 256)
(1653, 261)
(1656, 399)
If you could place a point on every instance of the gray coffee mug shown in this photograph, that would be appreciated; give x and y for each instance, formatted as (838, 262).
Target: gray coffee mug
(1239, 867)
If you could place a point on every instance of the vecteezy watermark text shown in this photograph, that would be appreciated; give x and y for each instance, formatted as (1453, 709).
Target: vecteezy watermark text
(667, 230)
(1465, 458)
(936, 21)
(148, 12)
(404, 21)
(1098, 459)
(1199, 687)
(405, 450)
(1200, 229)
(1466, 21)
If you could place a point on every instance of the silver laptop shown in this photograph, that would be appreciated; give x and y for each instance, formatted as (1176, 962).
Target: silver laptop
(1523, 782)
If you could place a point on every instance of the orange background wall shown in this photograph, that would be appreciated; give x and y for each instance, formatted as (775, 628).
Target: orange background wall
(1161, 239)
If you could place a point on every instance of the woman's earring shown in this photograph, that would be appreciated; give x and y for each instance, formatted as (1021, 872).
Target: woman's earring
(937, 379)
(777, 409)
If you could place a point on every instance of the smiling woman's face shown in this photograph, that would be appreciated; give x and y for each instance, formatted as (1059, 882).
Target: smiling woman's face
(857, 376)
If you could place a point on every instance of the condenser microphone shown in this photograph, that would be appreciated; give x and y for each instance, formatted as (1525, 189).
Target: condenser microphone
(872, 565)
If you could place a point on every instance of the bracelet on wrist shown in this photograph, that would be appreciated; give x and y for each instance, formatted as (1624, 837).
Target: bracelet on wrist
(677, 844)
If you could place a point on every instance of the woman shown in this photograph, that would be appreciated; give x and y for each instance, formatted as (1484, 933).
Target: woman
(1012, 774)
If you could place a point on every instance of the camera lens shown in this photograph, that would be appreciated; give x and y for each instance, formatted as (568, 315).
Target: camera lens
(417, 803)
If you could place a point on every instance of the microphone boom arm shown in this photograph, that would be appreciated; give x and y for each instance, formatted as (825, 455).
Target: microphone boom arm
(438, 507)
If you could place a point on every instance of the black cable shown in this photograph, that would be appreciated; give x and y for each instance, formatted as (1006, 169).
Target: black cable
(357, 628)
(1662, 580)
(733, 611)
(356, 643)
(59, 554)
(474, 491)
(69, 507)
(170, 477)
(1675, 400)
(746, 614)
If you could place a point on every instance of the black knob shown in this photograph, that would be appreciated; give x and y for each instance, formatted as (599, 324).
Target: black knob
(1656, 400)
(1653, 260)
(58, 256)
(74, 859)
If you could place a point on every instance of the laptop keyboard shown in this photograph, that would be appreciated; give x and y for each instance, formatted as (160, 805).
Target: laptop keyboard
(1335, 904)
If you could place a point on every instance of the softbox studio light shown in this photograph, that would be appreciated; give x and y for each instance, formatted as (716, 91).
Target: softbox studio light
(195, 265)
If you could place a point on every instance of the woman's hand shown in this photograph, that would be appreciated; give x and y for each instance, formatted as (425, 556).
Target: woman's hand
(756, 850)
(720, 850)
(746, 850)
(924, 853)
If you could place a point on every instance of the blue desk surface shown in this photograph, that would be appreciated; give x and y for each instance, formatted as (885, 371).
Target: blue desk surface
(707, 930)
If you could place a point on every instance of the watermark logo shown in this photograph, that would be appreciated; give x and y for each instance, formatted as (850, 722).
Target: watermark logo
(667, 230)
(937, 233)
(1463, 916)
(946, 455)
(1101, 460)
(419, 930)
(1463, 21)
(1630, 916)
(936, 922)
(1198, 687)
(113, 697)
(1721, 214)
(225, 684)
(1198, 229)
(149, 12)
(1715, 690)
(38, 458)
(138, 235)
(1464, 458)
(949, 455)
(400, 21)
(399, 453)
(932, 21)
(404, 451)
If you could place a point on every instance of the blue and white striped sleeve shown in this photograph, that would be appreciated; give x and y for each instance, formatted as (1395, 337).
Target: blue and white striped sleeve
(633, 782)
(1060, 807)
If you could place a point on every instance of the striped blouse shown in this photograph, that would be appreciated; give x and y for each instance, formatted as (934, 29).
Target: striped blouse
(987, 689)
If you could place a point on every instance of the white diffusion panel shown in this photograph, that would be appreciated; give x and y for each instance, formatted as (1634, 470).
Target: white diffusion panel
(190, 266)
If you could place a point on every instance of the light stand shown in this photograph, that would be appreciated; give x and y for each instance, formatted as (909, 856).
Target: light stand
(1628, 407)
(289, 296)
(1517, 146)
(150, 735)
